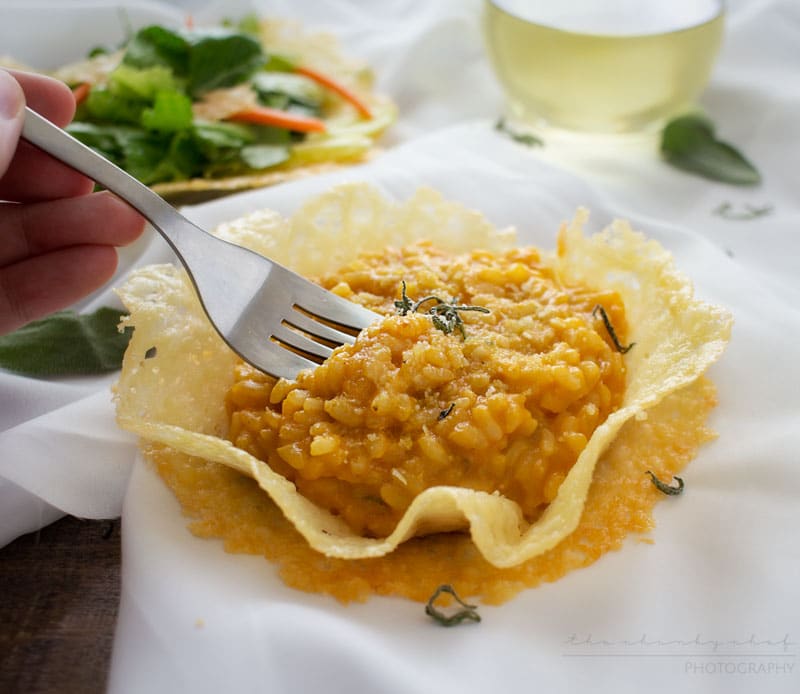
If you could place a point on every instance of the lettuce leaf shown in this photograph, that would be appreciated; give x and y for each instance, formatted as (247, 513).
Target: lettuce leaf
(104, 105)
(218, 136)
(222, 60)
(158, 46)
(264, 156)
(295, 88)
(205, 60)
(142, 83)
(202, 149)
(171, 112)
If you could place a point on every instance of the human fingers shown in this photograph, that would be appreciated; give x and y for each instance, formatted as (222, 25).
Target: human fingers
(37, 228)
(50, 97)
(32, 174)
(12, 102)
(43, 284)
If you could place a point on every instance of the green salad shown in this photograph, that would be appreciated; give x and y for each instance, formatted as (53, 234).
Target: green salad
(218, 104)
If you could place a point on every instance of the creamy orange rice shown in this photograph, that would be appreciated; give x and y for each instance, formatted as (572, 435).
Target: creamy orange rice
(507, 407)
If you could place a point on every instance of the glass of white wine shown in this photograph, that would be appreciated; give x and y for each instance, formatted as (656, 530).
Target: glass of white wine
(601, 66)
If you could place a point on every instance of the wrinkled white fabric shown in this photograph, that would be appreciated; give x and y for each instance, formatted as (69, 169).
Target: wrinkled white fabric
(727, 542)
(714, 605)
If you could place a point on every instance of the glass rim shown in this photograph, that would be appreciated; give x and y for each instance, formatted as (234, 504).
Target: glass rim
(719, 11)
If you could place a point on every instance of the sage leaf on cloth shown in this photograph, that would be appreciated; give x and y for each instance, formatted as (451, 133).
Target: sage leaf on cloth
(66, 344)
(688, 142)
(527, 139)
(467, 613)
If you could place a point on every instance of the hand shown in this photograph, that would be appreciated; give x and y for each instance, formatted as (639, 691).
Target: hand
(57, 238)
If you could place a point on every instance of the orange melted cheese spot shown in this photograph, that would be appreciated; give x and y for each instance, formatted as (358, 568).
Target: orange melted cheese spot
(409, 407)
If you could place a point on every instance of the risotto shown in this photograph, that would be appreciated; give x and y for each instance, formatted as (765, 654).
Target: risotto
(507, 407)
(493, 430)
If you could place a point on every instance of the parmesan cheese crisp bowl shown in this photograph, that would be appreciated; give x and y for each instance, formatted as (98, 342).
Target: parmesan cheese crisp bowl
(494, 430)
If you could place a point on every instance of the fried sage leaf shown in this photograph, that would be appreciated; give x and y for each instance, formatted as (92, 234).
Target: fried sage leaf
(446, 413)
(468, 613)
(444, 315)
(664, 487)
(527, 139)
(746, 212)
(688, 142)
(622, 349)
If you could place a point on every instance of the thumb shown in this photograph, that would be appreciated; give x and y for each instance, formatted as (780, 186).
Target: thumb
(12, 102)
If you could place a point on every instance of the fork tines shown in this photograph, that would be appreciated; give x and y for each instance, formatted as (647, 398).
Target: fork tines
(318, 323)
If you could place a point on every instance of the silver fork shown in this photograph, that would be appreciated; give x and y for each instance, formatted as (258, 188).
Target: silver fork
(273, 318)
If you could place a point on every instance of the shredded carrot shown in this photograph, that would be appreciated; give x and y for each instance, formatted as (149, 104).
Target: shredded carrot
(335, 86)
(80, 92)
(263, 115)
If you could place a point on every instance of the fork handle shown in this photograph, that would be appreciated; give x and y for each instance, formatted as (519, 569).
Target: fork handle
(50, 138)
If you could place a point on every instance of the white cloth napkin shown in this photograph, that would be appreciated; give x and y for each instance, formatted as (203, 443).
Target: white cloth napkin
(724, 567)
(714, 605)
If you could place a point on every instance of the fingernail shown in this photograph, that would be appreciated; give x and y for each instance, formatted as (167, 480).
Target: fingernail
(12, 100)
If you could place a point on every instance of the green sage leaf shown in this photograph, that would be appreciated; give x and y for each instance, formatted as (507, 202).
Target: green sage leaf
(745, 212)
(689, 143)
(665, 488)
(527, 139)
(622, 349)
(66, 344)
(466, 613)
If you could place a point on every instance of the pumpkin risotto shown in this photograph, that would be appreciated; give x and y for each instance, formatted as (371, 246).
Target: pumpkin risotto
(507, 407)
(514, 414)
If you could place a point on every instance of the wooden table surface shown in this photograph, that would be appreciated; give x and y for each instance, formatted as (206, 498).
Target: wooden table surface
(59, 594)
